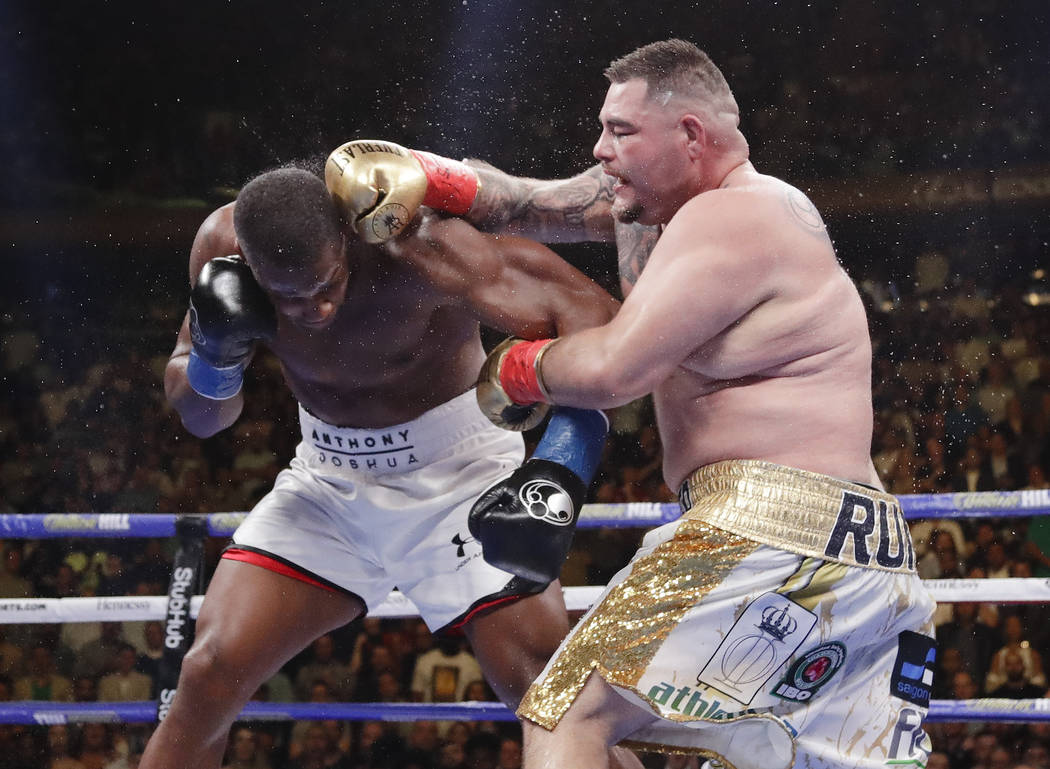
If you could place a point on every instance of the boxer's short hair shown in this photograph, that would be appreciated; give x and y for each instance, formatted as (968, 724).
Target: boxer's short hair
(672, 66)
(284, 216)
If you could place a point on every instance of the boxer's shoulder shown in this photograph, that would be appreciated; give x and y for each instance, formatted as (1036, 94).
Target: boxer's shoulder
(215, 237)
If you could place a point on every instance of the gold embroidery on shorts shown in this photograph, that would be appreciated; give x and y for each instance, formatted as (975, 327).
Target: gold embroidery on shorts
(623, 633)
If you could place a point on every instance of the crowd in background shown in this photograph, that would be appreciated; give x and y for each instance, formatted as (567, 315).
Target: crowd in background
(962, 402)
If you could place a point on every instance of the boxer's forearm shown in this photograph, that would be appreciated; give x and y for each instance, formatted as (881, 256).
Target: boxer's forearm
(201, 416)
(560, 210)
(589, 370)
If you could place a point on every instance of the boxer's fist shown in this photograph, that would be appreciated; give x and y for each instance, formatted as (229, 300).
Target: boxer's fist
(229, 312)
(509, 392)
(379, 186)
(525, 523)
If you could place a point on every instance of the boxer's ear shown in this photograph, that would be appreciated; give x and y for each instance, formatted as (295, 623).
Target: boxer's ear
(695, 135)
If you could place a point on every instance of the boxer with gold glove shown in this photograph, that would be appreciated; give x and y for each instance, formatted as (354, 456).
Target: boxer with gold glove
(379, 186)
(510, 388)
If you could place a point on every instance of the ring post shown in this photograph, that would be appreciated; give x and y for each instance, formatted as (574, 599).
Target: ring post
(187, 580)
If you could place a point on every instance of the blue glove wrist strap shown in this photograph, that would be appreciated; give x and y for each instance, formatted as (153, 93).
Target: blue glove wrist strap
(218, 384)
(574, 438)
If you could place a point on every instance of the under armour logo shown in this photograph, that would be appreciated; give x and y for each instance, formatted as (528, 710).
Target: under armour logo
(547, 501)
(461, 544)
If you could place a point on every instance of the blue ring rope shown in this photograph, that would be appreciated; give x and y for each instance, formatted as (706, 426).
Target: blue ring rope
(32, 712)
(977, 504)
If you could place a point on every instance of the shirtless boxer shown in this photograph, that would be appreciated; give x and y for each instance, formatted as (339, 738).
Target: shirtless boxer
(780, 621)
(386, 339)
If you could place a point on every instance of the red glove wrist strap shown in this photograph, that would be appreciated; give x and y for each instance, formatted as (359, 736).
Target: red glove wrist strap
(519, 376)
(451, 185)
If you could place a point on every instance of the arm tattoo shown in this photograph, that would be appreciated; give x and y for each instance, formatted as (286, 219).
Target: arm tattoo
(634, 244)
(574, 208)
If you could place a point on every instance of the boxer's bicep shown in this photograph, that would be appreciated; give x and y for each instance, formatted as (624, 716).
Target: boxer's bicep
(511, 284)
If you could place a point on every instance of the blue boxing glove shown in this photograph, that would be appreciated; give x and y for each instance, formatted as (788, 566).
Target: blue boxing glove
(229, 312)
(525, 523)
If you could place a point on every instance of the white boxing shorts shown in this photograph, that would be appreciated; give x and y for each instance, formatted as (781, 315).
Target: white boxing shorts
(779, 623)
(363, 511)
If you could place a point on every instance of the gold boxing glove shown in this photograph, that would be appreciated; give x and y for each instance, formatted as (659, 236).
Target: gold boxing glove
(510, 391)
(379, 186)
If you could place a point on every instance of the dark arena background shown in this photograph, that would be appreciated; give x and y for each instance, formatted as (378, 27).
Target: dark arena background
(920, 129)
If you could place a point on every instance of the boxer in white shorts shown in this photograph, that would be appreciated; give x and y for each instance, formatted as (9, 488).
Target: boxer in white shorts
(384, 339)
(364, 511)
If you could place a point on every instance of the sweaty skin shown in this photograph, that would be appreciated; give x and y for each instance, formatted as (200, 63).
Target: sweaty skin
(737, 316)
(743, 326)
(405, 337)
(367, 336)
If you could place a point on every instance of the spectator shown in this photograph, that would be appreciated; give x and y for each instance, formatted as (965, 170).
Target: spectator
(149, 658)
(318, 751)
(1016, 686)
(1002, 465)
(85, 689)
(12, 583)
(99, 657)
(975, 641)
(442, 674)
(41, 682)
(96, 746)
(324, 666)
(58, 753)
(973, 473)
(11, 655)
(509, 754)
(482, 751)
(297, 741)
(1014, 637)
(963, 686)
(949, 662)
(451, 756)
(125, 683)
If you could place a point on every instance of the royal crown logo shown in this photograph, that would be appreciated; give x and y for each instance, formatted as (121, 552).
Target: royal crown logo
(777, 622)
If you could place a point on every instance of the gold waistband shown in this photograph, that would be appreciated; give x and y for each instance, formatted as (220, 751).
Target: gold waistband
(800, 511)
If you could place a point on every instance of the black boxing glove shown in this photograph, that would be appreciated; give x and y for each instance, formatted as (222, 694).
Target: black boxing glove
(229, 312)
(525, 523)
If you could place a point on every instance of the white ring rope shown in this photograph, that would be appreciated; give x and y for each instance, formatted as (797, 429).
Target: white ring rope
(18, 611)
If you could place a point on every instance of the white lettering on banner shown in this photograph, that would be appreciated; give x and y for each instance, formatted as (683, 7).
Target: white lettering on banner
(166, 696)
(49, 719)
(114, 522)
(1035, 498)
(123, 604)
(996, 590)
(16, 605)
(178, 607)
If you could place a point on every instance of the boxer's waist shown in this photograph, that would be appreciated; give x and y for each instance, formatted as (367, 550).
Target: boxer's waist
(399, 448)
(800, 511)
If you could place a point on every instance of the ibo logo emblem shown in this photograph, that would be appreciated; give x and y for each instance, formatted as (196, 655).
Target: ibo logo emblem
(811, 671)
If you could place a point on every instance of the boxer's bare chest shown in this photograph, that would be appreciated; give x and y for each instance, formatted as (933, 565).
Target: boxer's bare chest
(391, 353)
